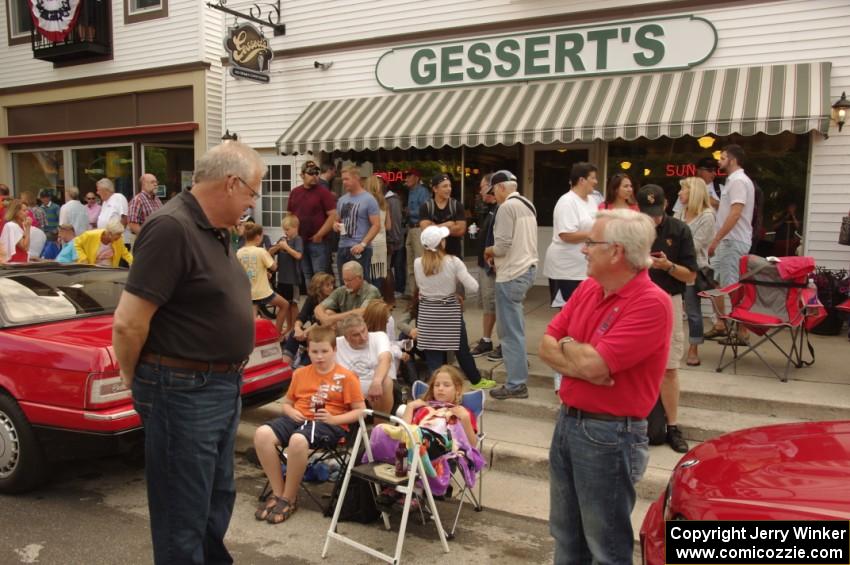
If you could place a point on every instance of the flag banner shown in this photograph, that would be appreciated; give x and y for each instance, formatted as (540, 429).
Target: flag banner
(54, 19)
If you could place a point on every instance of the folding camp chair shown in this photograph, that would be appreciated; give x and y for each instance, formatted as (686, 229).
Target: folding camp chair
(773, 295)
(371, 471)
(338, 454)
(474, 402)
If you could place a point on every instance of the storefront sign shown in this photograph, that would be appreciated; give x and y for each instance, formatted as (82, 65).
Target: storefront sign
(624, 47)
(54, 19)
(249, 53)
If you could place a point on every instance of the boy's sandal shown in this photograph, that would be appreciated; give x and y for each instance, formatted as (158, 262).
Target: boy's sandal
(281, 511)
(265, 508)
(714, 333)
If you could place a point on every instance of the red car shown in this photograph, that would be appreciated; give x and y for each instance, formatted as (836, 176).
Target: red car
(784, 472)
(60, 393)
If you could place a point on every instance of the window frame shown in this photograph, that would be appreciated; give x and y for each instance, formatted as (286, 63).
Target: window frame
(136, 16)
(20, 39)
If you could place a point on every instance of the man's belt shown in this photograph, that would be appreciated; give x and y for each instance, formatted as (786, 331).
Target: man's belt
(189, 364)
(576, 413)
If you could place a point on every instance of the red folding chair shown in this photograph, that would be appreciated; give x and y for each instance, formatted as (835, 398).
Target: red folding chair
(772, 295)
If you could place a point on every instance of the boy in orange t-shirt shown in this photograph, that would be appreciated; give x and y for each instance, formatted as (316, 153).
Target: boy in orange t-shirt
(322, 399)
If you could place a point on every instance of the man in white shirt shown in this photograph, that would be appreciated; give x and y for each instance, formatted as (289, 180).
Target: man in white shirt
(706, 169)
(514, 256)
(565, 265)
(733, 237)
(73, 212)
(368, 355)
(113, 205)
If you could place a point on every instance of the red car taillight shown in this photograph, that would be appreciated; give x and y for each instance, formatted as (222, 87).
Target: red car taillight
(106, 389)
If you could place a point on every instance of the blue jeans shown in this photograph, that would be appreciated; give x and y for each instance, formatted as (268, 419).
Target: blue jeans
(510, 318)
(693, 308)
(315, 259)
(593, 467)
(434, 359)
(190, 420)
(343, 256)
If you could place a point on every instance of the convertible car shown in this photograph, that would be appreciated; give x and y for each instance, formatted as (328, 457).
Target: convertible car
(60, 393)
(784, 472)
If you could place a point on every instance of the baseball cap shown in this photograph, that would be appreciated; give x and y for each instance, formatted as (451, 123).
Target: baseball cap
(438, 178)
(499, 177)
(45, 192)
(432, 236)
(414, 172)
(707, 163)
(310, 168)
(650, 200)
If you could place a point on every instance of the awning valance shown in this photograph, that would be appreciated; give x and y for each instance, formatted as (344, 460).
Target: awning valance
(745, 100)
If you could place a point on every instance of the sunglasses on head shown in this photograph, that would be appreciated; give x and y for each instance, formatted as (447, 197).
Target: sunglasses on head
(311, 171)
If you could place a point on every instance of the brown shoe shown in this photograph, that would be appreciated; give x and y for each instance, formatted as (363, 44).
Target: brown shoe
(714, 333)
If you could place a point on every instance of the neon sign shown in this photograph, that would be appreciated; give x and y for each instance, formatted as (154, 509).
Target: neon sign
(688, 170)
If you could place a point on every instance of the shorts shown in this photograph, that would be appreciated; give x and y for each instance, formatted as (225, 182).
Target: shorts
(677, 339)
(264, 301)
(324, 435)
(727, 261)
(566, 286)
(487, 291)
(286, 290)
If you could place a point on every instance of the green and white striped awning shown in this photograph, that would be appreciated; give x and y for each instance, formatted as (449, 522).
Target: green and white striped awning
(745, 100)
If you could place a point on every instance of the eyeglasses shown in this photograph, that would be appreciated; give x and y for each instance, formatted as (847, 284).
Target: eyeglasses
(311, 172)
(254, 194)
(591, 243)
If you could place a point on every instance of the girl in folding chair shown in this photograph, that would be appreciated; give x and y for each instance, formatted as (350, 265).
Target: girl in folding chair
(448, 428)
(322, 400)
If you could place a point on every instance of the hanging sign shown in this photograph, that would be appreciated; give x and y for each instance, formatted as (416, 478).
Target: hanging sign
(249, 53)
(54, 19)
(617, 48)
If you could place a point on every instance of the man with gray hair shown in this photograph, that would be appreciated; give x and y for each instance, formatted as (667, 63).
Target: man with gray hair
(610, 342)
(113, 204)
(352, 297)
(145, 203)
(182, 332)
(73, 212)
(514, 256)
(367, 355)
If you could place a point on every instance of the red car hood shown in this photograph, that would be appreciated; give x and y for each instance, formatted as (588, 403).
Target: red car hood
(791, 471)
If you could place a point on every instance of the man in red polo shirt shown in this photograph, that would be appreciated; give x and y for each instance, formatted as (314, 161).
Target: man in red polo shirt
(315, 207)
(610, 342)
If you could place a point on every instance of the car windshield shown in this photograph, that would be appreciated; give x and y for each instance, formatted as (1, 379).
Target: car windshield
(47, 296)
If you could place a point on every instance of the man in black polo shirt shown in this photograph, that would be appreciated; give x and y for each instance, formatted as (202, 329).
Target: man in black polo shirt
(674, 264)
(183, 328)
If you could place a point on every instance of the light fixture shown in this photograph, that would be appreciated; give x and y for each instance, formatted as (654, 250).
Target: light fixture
(716, 155)
(839, 110)
(706, 141)
(626, 165)
(229, 136)
(323, 66)
(562, 150)
(646, 172)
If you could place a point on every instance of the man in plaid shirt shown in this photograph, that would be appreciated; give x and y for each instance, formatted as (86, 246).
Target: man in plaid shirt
(145, 203)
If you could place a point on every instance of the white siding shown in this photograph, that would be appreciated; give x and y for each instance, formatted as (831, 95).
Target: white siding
(156, 43)
(755, 34)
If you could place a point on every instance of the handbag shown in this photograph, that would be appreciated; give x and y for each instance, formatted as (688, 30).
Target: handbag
(705, 279)
(844, 233)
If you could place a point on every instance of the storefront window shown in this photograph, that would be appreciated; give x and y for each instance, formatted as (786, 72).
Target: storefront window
(172, 166)
(777, 163)
(35, 170)
(94, 163)
(551, 171)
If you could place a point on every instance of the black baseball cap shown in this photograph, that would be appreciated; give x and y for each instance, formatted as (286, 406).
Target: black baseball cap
(499, 177)
(651, 200)
(707, 163)
(438, 178)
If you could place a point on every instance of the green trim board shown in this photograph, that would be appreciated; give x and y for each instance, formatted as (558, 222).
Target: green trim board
(746, 100)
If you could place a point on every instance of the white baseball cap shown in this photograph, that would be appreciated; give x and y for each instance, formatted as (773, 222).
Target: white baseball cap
(432, 236)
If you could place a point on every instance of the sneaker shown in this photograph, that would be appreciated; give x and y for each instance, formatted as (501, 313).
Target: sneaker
(482, 347)
(495, 355)
(484, 384)
(675, 440)
(503, 392)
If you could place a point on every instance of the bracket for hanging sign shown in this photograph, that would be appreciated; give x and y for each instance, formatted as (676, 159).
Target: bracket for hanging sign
(255, 14)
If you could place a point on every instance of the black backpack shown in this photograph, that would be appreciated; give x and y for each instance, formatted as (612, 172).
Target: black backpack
(359, 502)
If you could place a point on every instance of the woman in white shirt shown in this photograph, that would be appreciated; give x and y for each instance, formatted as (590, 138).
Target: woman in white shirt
(440, 325)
